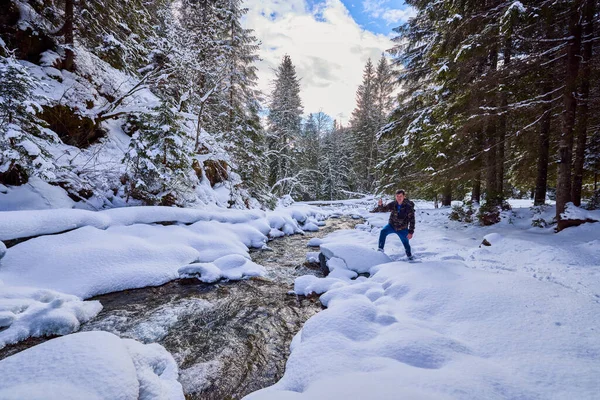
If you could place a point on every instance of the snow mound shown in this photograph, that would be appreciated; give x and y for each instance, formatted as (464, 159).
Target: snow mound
(231, 267)
(90, 365)
(573, 212)
(26, 312)
(314, 242)
(357, 258)
(312, 257)
(310, 227)
(493, 239)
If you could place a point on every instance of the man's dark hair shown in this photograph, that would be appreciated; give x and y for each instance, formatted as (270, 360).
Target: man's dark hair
(400, 191)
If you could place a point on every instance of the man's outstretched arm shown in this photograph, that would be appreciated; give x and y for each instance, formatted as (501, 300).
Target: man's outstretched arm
(384, 207)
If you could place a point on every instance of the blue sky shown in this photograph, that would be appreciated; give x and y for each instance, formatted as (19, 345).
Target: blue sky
(373, 19)
(378, 16)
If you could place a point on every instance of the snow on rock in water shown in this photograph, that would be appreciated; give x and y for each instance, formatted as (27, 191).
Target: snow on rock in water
(358, 258)
(314, 242)
(26, 312)
(310, 227)
(232, 267)
(90, 365)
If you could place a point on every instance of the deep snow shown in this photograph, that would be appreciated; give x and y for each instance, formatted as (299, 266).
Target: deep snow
(517, 319)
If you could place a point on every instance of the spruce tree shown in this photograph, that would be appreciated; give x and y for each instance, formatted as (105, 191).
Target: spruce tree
(365, 123)
(284, 126)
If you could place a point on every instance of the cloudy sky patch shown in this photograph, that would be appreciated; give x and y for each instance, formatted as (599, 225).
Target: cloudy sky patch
(329, 42)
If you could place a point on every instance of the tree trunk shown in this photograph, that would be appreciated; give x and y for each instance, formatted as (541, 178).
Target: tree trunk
(447, 194)
(565, 149)
(582, 117)
(476, 193)
(490, 163)
(491, 181)
(541, 182)
(69, 62)
(502, 122)
(543, 145)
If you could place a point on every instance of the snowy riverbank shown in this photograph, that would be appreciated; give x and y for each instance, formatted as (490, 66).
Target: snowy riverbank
(516, 319)
(43, 280)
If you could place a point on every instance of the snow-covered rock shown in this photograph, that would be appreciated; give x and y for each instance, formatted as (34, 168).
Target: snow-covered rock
(2, 250)
(357, 257)
(231, 267)
(27, 311)
(90, 365)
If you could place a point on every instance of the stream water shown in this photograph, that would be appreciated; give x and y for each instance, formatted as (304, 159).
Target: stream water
(228, 338)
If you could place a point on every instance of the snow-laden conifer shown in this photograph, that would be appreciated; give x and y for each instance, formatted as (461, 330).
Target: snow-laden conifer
(159, 159)
(284, 126)
(24, 141)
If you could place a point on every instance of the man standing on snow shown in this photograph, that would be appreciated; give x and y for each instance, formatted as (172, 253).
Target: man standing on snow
(402, 221)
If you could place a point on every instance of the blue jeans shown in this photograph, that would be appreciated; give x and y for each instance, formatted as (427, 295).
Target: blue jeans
(403, 235)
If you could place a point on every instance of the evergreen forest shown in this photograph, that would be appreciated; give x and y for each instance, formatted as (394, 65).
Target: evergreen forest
(156, 103)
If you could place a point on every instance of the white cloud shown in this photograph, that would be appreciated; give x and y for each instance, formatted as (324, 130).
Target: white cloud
(381, 9)
(328, 48)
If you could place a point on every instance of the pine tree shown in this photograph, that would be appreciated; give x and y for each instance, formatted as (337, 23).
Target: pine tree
(365, 123)
(284, 120)
(336, 164)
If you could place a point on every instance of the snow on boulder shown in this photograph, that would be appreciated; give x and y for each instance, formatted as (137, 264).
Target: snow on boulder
(276, 233)
(357, 258)
(309, 284)
(2, 249)
(314, 242)
(231, 267)
(338, 269)
(283, 222)
(310, 227)
(26, 312)
(492, 239)
(312, 257)
(90, 365)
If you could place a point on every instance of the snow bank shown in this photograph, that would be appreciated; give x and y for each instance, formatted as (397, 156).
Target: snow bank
(34, 195)
(118, 249)
(90, 365)
(19, 224)
(441, 330)
(26, 312)
(573, 212)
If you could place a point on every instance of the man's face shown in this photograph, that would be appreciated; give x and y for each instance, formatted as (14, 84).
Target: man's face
(399, 198)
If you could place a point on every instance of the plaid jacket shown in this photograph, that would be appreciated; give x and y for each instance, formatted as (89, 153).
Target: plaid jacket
(400, 220)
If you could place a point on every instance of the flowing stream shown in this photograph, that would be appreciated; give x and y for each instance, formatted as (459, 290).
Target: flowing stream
(228, 338)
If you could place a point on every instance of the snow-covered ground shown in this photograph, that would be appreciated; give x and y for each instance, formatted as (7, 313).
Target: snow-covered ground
(517, 319)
